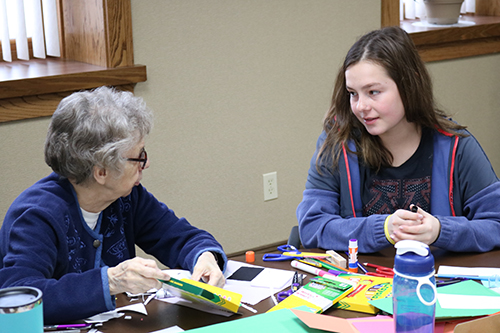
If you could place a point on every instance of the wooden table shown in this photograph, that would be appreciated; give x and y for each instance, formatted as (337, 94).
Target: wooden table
(163, 315)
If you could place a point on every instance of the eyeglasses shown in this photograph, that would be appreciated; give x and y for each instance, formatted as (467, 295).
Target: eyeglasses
(143, 159)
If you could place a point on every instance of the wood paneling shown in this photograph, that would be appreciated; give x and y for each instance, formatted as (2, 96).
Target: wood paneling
(390, 13)
(84, 33)
(98, 32)
(119, 44)
(488, 7)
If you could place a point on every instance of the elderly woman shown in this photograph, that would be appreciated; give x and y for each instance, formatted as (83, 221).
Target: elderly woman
(73, 233)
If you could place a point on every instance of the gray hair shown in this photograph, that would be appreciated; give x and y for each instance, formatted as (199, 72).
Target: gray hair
(95, 128)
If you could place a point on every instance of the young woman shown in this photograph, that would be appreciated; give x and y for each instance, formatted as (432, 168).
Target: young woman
(386, 147)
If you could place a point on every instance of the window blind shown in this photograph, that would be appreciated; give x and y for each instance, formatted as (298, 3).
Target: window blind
(35, 19)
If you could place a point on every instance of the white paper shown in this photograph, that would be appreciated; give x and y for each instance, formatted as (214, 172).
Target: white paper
(137, 307)
(197, 306)
(468, 301)
(266, 283)
(105, 316)
(273, 278)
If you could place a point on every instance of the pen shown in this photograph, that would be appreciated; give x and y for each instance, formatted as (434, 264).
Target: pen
(446, 283)
(362, 268)
(471, 277)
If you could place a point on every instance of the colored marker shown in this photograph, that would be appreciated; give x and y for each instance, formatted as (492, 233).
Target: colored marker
(353, 255)
(328, 265)
(311, 262)
(316, 271)
(308, 268)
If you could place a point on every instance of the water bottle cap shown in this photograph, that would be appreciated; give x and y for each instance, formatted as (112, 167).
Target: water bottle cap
(411, 245)
(413, 257)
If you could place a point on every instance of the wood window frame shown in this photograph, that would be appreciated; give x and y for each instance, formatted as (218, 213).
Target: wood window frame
(96, 50)
(435, 44)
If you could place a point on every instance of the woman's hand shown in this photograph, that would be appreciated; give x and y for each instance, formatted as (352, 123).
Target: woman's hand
(420, 226)
(136, 275)
(208, 270)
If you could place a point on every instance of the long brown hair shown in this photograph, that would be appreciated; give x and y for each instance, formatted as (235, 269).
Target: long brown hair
(393, 49)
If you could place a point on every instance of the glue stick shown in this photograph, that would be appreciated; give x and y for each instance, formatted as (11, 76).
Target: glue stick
(353, 255)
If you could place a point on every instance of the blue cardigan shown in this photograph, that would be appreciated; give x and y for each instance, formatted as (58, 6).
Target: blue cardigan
(45, 243)
(465, 197)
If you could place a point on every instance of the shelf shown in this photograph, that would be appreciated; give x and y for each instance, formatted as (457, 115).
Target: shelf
(440, 43)
(23, 78)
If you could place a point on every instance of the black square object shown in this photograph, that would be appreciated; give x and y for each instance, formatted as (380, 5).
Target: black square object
(246, 273)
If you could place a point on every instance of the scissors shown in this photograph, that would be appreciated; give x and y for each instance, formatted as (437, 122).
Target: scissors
(380, 271)
(289, 252)
(296, 284)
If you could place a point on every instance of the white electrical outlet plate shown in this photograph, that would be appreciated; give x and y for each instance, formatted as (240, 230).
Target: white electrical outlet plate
(270, 185)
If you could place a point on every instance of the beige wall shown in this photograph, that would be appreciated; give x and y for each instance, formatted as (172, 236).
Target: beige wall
(468, 89)
(239, 88)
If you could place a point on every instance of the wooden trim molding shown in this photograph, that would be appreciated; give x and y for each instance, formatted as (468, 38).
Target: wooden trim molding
(97, 50)
(52, 76)
(34, 106)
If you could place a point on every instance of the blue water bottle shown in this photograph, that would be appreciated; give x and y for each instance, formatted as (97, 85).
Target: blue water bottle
(414, 288)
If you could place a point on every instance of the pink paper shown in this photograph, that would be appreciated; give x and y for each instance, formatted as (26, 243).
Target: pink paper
(324, 322)
(379, 324)
(382, 324)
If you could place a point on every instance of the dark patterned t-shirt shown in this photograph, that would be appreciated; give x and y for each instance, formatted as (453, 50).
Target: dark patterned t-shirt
(394, 188)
